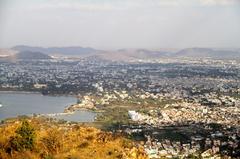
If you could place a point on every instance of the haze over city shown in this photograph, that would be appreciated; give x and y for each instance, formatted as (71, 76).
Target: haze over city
(115, 24)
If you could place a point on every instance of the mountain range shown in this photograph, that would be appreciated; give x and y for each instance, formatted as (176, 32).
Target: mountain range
(29, 52)
(68, 51)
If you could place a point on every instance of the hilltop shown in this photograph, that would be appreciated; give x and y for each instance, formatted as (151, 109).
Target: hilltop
(39, 138)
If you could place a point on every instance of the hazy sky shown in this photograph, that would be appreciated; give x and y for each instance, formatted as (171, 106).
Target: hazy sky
(111, 24)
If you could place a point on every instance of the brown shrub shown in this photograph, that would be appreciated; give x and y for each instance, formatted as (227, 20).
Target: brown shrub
(52, 141)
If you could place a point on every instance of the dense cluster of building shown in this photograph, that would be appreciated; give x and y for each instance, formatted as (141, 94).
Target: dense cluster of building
(187, 113)
(198, 101)
(187, 80)
(213, 147)
(215, 131)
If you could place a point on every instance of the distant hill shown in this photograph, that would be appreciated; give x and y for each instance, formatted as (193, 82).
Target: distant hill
(209, 53)
(133, 54)
(121, 54)
(27, 55)
(67, 51)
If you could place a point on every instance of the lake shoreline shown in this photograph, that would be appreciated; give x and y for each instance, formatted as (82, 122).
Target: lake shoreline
(36, 92)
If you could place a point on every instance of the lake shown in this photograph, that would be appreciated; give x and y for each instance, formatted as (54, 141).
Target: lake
(19, 103)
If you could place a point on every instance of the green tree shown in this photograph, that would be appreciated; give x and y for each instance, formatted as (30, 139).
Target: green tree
(25, 137)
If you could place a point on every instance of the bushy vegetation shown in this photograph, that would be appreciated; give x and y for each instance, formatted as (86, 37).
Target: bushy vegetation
(25, 137)
(52, 141)
(39, 138)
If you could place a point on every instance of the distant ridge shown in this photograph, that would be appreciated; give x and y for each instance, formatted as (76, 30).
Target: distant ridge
(133, 54)
(28, 55)
(76, 50)
(209, 53)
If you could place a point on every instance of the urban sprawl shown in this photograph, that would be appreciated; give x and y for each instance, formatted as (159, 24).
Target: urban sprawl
(172, 107)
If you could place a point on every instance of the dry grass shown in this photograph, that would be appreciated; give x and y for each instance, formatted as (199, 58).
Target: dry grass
(71, 141)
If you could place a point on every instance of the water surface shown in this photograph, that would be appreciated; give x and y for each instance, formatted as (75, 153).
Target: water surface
(16, 103)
